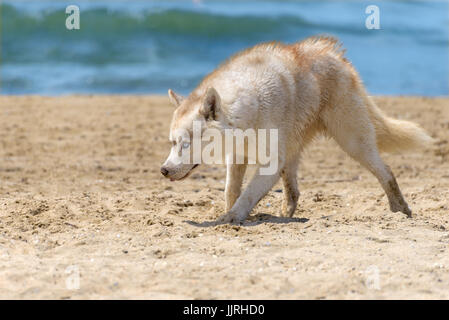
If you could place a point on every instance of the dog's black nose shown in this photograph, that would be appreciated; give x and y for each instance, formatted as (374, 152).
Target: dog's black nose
(164, 171)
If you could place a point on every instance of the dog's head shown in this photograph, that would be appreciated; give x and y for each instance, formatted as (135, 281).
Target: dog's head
(203, 110)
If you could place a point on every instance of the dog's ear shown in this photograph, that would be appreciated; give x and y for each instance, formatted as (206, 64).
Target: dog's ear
(211, 104)
(175, 98)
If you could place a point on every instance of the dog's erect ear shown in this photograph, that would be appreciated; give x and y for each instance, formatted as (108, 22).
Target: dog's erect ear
(175, 98)
(211, 104)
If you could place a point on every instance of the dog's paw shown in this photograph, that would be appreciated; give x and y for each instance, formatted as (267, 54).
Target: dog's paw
(401, 206)
(230, 217)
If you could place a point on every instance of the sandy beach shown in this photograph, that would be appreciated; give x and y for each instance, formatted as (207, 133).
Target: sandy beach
(81, 195)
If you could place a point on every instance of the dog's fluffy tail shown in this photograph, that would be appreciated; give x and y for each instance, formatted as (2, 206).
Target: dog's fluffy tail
(397, 135)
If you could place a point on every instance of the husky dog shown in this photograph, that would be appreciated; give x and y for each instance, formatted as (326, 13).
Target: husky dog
(302, 89)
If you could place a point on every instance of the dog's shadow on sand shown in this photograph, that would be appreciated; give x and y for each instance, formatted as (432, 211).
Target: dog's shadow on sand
(251, 221)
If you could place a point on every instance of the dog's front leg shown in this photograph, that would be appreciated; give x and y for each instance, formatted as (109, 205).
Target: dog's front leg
(234, 179)
(256, 190)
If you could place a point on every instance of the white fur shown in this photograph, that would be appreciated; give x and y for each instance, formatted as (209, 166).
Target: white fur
(301, 89)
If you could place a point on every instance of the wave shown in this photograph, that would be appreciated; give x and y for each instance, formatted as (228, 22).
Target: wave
(107, 21)
(97, 21)
(128, 46)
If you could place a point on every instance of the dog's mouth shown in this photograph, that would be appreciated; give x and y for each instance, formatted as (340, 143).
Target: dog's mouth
(187, 174)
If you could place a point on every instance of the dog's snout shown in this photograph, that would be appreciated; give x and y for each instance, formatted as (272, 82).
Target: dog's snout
(164, 171)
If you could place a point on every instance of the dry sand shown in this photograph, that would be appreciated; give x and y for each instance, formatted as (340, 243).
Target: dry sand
(81, 192)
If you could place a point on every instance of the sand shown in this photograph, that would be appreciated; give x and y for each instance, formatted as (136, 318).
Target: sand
(86, 214)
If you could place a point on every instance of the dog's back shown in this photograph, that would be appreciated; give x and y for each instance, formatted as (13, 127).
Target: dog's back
(284, 86)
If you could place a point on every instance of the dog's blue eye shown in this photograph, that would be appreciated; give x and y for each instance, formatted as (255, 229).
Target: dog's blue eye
(185, 145)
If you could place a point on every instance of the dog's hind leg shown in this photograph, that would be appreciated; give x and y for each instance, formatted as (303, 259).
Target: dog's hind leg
(291, 192)
(234, 179)
(351, 127)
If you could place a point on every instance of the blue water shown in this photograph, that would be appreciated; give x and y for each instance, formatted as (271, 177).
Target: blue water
(144, 47)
